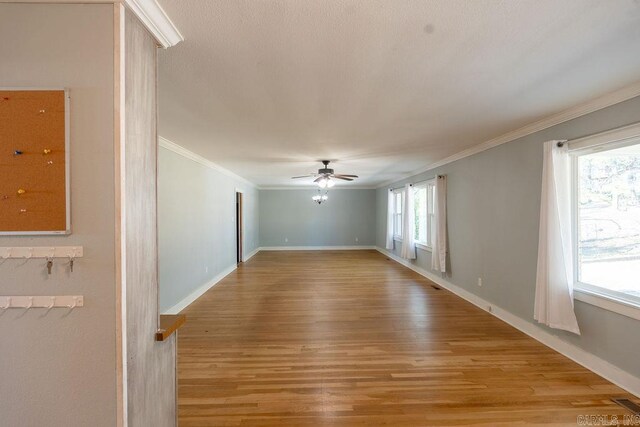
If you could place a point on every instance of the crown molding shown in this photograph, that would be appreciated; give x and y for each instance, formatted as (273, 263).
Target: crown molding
(151, 14)
(308, 187)
(591, 106)
(178, 149)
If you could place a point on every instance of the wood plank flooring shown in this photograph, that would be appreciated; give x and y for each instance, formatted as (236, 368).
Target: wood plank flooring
(353, 339)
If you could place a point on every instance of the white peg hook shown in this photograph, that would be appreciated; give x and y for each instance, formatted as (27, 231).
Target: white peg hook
(8, 304)
(75, 303)
(28, 306)
(7, 253)
(29, 253)
(53, 303)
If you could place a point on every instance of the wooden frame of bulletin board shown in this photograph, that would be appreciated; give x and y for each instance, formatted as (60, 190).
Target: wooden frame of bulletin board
(35, 188)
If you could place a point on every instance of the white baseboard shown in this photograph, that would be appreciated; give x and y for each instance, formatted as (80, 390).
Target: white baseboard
(182, 304)
(248, 256)
(590, 361)
(316, 248)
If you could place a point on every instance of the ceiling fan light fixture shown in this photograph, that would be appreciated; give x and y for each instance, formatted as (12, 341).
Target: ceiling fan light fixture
(326, 178)
(319, 198)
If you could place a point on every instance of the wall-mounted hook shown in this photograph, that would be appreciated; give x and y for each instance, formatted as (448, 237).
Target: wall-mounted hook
(7, 305)
(49, 265)
(75, 303)
(7, 253)
(29, 253)
(72, 259)
(28, 306)
(53, 303)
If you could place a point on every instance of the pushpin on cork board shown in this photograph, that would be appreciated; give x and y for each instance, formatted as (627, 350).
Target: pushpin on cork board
(34, 127)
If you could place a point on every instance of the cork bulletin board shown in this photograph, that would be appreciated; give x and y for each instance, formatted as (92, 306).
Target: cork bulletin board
(34, 161)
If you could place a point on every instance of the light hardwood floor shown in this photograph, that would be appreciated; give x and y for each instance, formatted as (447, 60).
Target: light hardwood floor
(352, 338)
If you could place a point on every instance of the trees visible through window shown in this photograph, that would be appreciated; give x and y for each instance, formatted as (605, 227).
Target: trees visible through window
(397, 213)
(608, 221)
(424, 213)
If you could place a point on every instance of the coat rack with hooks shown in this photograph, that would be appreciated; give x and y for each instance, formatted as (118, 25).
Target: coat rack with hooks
(28, 302)
(27, 252)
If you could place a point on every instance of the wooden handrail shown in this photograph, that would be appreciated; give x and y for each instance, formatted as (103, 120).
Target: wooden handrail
(169, 323)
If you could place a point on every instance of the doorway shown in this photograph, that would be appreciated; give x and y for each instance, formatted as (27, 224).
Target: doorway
(239, 226)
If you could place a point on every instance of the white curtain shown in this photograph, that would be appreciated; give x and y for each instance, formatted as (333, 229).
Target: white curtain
(439, 254)
(408, 250)
(390, 210)
(554, 280)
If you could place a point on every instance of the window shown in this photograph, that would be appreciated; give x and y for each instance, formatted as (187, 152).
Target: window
(424, 213)
(425, 226)
(607, 221)
(397, 213)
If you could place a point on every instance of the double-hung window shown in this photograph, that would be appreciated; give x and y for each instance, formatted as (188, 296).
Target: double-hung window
(606, 209)
(424, 213)
(398, 196)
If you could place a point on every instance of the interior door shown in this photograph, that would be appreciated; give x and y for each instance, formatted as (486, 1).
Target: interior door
(239, 227)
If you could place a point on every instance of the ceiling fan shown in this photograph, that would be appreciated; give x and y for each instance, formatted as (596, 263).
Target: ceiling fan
(324, 177)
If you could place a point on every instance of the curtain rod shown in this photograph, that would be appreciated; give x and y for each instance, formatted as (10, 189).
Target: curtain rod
(416, 183)
(613, 135)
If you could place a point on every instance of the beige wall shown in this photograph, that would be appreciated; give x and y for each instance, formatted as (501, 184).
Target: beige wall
(59, 369)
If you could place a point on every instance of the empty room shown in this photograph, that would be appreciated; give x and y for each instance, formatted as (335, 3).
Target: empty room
(319, 213)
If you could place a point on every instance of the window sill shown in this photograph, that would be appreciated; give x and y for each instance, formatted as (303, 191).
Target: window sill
(418, 245)
(424, 247)
(608, 302)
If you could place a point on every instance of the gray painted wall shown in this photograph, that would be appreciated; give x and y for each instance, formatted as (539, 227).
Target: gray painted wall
(493, 214)
(59, 369)
(196, 220)
(292, 215)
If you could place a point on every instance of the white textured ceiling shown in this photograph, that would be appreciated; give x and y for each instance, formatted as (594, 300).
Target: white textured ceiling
(268, 88)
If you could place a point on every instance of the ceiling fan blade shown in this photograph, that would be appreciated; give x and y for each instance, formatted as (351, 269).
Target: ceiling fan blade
(318, 178)
(303, 176)
(342, 178)
(345, 176)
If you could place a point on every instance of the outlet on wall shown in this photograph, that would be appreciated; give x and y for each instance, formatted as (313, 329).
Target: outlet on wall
(479, 281)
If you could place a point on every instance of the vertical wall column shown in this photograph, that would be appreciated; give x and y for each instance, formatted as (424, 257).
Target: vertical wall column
(148, 376)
